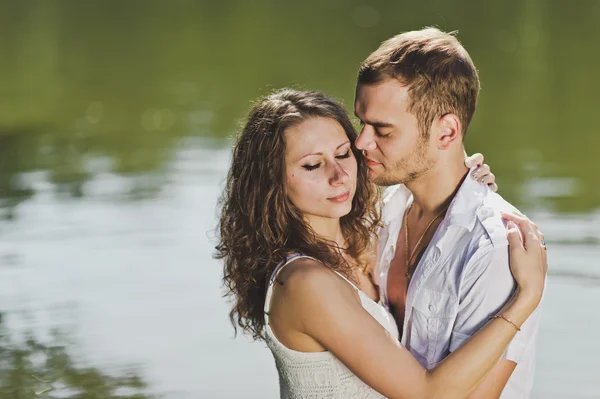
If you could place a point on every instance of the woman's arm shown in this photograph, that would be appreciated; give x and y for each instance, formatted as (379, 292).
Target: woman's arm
(327, 309)
(495, 381)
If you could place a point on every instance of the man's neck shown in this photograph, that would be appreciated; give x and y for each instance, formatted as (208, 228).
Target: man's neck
(435, 189)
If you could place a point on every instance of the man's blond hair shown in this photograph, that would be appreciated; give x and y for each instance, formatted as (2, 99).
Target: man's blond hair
(438, 71)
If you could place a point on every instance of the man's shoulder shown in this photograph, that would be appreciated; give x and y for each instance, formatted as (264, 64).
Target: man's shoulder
(497, 202)
(489, 218)
(489, 230)
(484, 249)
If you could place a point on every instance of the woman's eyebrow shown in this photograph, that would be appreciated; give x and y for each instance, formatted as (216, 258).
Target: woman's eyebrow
(320, 153)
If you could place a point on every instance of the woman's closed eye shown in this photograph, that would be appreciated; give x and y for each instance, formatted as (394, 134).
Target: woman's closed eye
(316, 166)
(346, 155)
(311, 167)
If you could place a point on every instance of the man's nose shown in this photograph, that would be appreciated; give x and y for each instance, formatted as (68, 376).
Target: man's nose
(366, 139)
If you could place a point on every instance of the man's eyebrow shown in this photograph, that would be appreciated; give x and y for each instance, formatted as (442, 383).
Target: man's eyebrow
(379, 124)
(374, 123)
(320, 153)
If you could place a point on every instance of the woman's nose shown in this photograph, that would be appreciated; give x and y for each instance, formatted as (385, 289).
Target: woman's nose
(339, 175)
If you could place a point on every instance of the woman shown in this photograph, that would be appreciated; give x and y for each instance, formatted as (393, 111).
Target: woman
(295, 238)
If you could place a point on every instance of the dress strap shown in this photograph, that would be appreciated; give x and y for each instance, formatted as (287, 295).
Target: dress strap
(347, 280)
(279, 267)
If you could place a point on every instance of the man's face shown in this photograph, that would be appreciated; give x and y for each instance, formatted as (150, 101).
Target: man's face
(395, 150)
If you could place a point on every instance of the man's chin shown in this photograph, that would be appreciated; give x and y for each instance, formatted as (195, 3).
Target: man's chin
(384, 183)
(374, 176)
(381, 180)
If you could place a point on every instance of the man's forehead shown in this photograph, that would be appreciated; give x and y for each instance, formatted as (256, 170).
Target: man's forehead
(372, 100)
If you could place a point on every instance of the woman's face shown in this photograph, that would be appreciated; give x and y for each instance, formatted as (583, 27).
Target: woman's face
(320, 168)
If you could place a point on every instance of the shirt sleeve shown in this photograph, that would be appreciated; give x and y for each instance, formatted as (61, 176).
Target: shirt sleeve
(487, 284)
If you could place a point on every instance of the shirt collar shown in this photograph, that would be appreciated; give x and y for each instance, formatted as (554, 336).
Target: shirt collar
(462, 211)
(395, 199)
(468, 199)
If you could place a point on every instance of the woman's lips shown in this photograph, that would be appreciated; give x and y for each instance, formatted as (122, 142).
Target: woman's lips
(340, 198)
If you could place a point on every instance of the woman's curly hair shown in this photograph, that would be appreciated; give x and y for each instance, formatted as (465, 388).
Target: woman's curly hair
(259, 226)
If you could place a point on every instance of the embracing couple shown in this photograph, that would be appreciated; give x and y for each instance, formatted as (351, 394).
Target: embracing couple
(428, 291)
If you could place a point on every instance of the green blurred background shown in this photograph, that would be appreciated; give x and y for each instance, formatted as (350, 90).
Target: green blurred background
(126, 79)
(116, 118)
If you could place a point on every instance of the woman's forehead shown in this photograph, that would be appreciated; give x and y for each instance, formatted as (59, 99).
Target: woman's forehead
(314, 135)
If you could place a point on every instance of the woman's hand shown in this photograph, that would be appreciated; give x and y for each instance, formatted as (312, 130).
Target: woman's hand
(528, 260)
(482, 173)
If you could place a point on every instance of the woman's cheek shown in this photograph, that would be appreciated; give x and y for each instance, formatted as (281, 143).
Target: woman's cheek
(352, 168)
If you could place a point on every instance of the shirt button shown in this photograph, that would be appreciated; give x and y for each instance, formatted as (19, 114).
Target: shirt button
(487, 212)
(431, 308)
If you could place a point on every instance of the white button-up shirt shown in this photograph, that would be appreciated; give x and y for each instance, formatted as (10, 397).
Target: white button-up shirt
(462, 279)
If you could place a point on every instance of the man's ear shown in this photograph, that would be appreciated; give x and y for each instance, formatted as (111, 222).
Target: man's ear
(449, 130)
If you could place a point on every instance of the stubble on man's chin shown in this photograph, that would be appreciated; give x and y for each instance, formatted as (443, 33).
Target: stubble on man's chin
(381, 182)
(407, 178)
(387, 181)
(407, 170)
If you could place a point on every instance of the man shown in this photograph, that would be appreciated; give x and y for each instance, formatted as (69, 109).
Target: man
(443, 266)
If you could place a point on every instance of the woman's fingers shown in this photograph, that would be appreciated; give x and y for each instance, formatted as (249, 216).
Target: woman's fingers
(545, 259)
(540, 235)
(474, 160)
(528, 229)
(514, 236)
(487, 179)
(528, 262)
(534, 224)
(483, 175)
(481, 172)
(515, 216)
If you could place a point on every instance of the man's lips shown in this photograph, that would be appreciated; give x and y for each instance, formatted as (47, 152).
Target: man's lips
(340, 198)
(370, 162)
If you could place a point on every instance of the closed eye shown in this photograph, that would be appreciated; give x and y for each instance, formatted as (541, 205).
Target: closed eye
(311, 167)
(346, 155)
(379, 134)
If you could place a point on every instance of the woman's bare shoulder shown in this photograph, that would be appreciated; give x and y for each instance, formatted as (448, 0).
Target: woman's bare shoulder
(304, 271)
(306, 277)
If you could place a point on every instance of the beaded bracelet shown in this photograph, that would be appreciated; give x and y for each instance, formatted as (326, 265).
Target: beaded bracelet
(501, 316)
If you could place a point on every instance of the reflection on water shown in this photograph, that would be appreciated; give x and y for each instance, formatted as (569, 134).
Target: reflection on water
(112, 159)
(136, 282)
(30, 367)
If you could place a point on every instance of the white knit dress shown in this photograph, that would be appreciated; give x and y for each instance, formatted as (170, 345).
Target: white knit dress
(317, 375)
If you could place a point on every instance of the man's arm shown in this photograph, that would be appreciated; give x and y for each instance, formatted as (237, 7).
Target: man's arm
(486, 286)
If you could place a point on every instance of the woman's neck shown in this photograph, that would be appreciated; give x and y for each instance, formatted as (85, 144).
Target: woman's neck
(328, 229)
